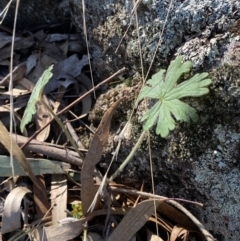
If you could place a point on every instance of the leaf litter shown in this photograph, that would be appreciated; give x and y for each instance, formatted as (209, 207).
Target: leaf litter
(41, 210)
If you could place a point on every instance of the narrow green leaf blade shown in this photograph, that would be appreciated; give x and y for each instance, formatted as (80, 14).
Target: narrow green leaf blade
(35, 97)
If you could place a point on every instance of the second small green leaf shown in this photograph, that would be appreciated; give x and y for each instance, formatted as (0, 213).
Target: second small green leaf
(35, 97)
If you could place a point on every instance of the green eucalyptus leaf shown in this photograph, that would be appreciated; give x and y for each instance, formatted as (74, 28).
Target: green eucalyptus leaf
(164, 88)
(35, 97)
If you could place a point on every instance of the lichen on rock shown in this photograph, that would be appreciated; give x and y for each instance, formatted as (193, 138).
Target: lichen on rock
(197, 161)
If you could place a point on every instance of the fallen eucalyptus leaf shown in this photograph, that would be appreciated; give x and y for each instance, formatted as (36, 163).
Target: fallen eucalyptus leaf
(134, 220)
(63, 232)
(11, 218)
(93, 156)
(12, 147)
(39, 167)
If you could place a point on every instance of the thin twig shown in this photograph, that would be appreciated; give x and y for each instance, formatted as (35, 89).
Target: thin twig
(47, 149)
(87, 44)
(156, 197)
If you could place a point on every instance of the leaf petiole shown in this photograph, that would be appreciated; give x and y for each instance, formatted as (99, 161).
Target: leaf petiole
(130, 156)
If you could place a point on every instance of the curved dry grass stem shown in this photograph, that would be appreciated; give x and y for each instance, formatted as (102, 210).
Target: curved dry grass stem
(160, 37)
(87, 44)
(10, 88)
(137, 145)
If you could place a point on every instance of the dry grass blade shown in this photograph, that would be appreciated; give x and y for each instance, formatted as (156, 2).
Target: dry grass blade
(134, 220)
(93, 157)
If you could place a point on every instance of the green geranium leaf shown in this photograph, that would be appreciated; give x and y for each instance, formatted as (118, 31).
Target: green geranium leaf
(35, 97)
(162, 86)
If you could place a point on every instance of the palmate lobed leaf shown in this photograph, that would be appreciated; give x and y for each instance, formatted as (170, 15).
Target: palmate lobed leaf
(163, 87)
(35, 97)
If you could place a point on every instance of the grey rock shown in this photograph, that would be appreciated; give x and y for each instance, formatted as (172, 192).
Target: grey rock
(33, 15)
(192, 26)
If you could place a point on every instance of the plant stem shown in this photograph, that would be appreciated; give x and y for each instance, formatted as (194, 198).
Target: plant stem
(130, 156)
(57, 119)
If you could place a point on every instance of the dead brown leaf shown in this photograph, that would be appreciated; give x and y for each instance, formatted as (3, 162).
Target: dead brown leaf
(21, 43)
(35, 74)
(31, 62)
(72, 65)
(93, 156)
(64, 47)
(18, 90)
(75, 46)
(86, 102)
(134, 220)
(59, 37)
(66, 231)
(4, 39)
(41, 198)
(20, 102)
(17, 74)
